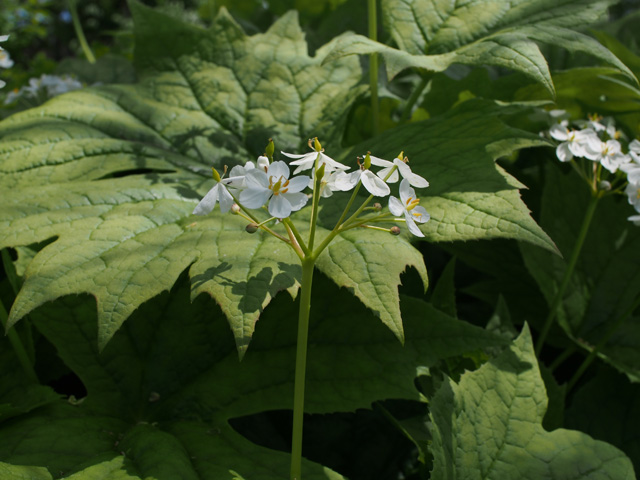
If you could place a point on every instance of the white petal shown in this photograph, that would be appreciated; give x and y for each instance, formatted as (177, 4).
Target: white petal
(420, 215)
(385, 171)
(297, 200)
(225, 199)
(295, 155)
(559, 132)
(406, 192)
(374, 185)
(255, 197)
(256, 179)
(346, 181)
(279, 207)
(413, 228)
(331, 164)
(208, 202)
(380, 162)
(277, 170)
(297, 184)
(563, 152)
(395, 206)
(414, 179)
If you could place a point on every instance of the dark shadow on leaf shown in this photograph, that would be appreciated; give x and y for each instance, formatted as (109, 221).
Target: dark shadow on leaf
(253, 291)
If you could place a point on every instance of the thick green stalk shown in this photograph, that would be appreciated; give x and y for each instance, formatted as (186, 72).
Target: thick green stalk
(79, 32)
(577, 247)
(18, 348)
(373, 68)
(301, 367)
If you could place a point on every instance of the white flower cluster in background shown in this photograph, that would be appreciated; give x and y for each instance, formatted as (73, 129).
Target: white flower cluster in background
(601, 154)
(43, 88)
(5, 58)
(270, 185)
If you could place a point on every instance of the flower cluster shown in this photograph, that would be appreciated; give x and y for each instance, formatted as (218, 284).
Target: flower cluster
(596, 149)
(44, 88)
(272, 186)
(5, 58)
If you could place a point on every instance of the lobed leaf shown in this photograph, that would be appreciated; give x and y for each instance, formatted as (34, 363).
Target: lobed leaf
(170, 414)
(489, 426)
(434, 34)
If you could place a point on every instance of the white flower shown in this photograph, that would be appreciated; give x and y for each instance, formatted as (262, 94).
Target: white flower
(635, 219)
(374, 184)
(608, 153)
(308, 160)
(573, 141)
(408, 205)
(218, 193)
(274, 184)
(633, 192)
(404, 169)
(328, 183)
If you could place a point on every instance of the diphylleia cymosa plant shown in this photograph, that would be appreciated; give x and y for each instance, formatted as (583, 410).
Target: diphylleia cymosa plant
(271, 187)
(594, 147)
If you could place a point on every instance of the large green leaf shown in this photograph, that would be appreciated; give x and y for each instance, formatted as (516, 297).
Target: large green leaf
(434, 34)
(112, 174)
(489, 426)
(470, 197)
(169, 413)
(76, 168)
(606, 280)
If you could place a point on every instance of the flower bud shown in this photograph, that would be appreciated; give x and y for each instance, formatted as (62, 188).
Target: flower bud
(395, 230)
(252, 227)
(216, 175)
(401, 156)
(320, 173)
(235, 208)
(316, 145)
(263, 162)
(367, 161)
(268, 152)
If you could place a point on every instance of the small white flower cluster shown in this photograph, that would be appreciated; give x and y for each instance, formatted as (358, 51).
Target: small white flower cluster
(5, 58)
(598, 141)
(47, 86)
(254, 186)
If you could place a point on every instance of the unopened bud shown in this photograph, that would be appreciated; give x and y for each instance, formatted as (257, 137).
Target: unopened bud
(235, 208)
(604, 185)
(216, 175)
(320, 173)
(395, 230)
(263, 162)
(270, 149)
(377, 207)
(400, 156)
(252, 227)
(367, 161)
(316, 145)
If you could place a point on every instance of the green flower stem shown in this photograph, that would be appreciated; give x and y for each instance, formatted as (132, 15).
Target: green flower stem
(18, 348)
(314, 208)
(582, 235)
(308, 265)
(348, 207)
(79, 32)
(373, 67)
(290, 226)
(415, 95)
(603, 341)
